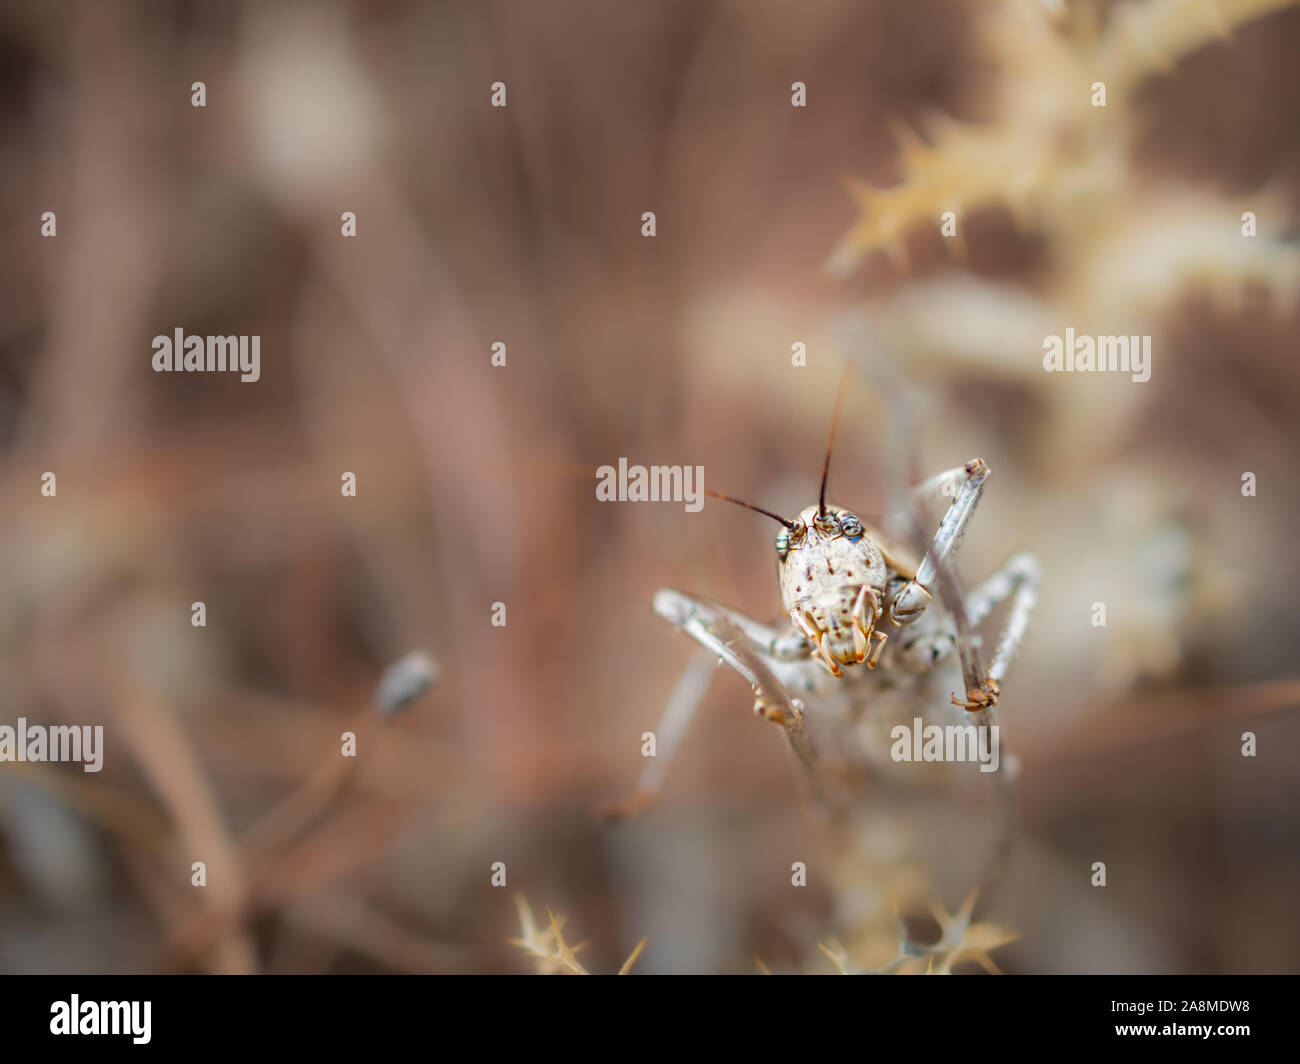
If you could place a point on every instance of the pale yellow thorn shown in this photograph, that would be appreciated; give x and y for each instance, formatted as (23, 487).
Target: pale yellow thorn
(627, 964)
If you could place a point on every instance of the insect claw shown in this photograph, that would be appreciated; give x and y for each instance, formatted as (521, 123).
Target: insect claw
(978, 698)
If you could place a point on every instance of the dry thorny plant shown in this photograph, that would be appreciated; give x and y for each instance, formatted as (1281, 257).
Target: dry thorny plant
(1067, 168)
(960, 940)
(554, 955)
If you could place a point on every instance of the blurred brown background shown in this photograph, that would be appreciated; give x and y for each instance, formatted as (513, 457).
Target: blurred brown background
(475, 483)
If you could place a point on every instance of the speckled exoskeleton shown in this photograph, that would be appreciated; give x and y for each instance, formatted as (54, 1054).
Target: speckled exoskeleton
(864, 636)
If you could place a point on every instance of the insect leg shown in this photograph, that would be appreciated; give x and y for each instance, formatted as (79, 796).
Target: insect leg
(1018, 580)
(946, 483)
(779, 642)
(968, 481)
(669, 732)
(718, 630)
(728, 637)
(936, 573)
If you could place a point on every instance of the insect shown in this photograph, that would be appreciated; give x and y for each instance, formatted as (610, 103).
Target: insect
(867, 627)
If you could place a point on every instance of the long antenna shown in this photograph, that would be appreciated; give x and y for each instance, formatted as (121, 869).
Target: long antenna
(791, 525)
(830, 440)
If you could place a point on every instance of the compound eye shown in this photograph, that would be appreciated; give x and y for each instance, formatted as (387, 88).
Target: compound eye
(850, 525)
(788, 539)
(783, 543)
